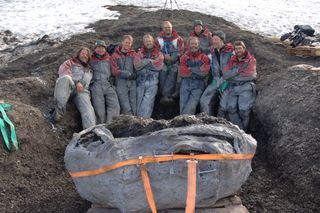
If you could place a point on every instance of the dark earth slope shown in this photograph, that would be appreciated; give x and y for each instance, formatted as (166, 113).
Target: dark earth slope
(286, 170)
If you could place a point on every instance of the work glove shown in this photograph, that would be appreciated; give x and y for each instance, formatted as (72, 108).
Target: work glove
(133, 76)
(124, 74)
(197, 71)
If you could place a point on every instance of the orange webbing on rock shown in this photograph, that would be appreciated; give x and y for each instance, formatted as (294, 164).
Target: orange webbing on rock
(192, 186)
(158, 159)
(147, 188)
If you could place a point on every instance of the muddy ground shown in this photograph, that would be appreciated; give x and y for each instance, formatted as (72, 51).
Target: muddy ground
(286, 169)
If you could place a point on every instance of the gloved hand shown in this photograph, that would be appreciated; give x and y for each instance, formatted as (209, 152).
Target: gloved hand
(125, 74)
(197, 71)
(133, 76)
(223, 86)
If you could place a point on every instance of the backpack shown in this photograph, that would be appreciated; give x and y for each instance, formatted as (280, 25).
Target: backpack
(111, 48)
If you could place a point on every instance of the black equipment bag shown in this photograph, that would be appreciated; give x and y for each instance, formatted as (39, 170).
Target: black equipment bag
(306, 29)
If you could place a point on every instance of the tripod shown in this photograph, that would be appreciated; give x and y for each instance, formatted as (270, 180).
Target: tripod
(171, 2)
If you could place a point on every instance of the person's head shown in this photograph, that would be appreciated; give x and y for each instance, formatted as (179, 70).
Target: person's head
(198, 27)
(84, 55)
(194, 44)
(100, 47)
(126, 43)
(167, 28)
(148, 41)
(218, 39)
(239, 48)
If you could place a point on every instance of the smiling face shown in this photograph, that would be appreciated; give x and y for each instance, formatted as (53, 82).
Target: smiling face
(100, 50)
(167, 28)
(198, 29)
(126, 45)
(148, 42)
(239, 51)
(194, 45)
(217, 42)
(84, 55)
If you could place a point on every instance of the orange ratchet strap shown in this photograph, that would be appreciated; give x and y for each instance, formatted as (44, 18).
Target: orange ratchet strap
(159, 159)
(192, 186)
(147, 188)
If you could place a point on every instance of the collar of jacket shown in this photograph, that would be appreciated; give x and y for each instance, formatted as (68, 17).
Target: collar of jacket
(77, 61)
(154, 51)
(104, 57)
(118, 50)
(194, 55)
(173, 36)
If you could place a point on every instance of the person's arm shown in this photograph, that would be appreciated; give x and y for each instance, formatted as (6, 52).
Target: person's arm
(184, 69)
(156, 63)
(65, 68)
(115, 69)
(201, 67)
(249, 68)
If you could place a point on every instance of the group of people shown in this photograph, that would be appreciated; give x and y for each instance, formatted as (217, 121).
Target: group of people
(104, 86)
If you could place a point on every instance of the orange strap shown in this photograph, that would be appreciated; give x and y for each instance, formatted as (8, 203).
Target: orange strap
(158, 159)
(147, 188)
(192, 186)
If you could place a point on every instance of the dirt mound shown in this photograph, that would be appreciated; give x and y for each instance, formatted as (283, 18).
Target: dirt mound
(286, 170)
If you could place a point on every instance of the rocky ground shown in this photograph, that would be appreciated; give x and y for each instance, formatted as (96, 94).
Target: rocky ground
(285, 122)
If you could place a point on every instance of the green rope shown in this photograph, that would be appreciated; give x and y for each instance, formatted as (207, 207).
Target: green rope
(5, 118)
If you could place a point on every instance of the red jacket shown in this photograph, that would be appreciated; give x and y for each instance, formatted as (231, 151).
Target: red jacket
(65, 68)
(200, 61)
(205, 39)
(121, 61)
(175, 39)
(156, 57)
(240, 70)
(248, 65)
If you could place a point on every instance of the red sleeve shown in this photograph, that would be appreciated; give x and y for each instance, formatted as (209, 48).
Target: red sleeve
(205, 67)
(249, 69)
(114, 65)
(184, 70)
(180, 46)
(158, 61)
(65, 68)
(228, 66)
(136, 59)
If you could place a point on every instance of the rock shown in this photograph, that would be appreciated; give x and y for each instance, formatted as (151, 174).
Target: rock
(123, 189)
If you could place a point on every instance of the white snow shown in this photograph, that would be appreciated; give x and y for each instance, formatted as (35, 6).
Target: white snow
(31, 19)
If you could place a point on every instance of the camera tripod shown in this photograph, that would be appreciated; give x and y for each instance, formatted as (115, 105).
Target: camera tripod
(171, 3)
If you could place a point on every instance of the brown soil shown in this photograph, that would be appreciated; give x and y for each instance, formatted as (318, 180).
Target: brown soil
(286, 169)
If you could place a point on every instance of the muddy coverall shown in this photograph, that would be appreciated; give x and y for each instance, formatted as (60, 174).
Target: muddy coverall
(149, 65)
(104, 97)
(218, 60)
(240, 95)
(70, 73)
(194, 68)
(173, 46)
(123, 68)
(205, 39)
